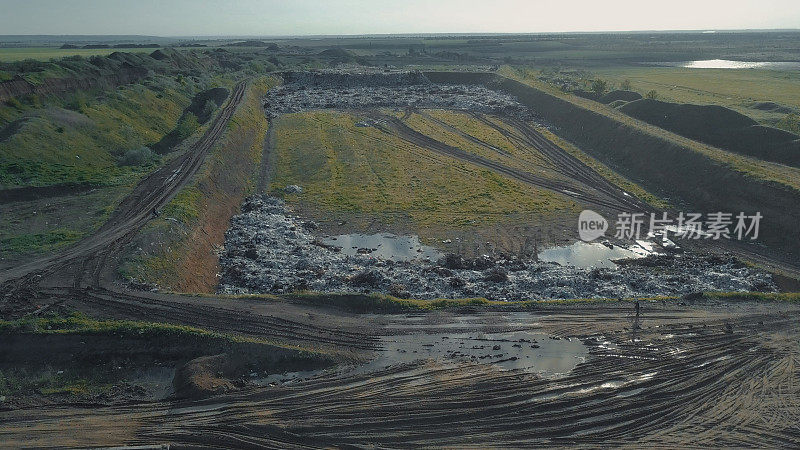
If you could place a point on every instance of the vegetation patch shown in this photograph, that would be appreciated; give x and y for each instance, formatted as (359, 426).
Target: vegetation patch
(346, 170)
(52, 240)
(85, 138)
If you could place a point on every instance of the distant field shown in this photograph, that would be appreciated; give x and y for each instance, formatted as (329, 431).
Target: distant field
(46, 53)
(726, 87)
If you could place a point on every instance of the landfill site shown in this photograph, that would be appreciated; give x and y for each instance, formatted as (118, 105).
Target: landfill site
(403, 268)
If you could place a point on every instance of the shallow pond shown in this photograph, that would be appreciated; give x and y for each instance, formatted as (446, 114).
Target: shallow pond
(543, 355)
(728, 64)
(584, 254)
(531, 352)
(383, 246)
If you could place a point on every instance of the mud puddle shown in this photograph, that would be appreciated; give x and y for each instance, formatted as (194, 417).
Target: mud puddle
(383, 246)
(531, 352)
(537, 353)
(591, 255)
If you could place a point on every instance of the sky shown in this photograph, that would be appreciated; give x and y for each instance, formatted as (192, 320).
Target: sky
(338, 17)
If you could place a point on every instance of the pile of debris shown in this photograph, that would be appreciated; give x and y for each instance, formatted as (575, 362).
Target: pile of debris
(393, 91)
(269, 251)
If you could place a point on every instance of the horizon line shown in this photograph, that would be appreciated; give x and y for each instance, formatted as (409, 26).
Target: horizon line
(412, 34)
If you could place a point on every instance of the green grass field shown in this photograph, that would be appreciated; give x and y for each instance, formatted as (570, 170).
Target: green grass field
(364, 176)
(80, 139)
(726, 87)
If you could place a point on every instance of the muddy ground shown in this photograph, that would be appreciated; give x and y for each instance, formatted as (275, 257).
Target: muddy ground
(692, 374)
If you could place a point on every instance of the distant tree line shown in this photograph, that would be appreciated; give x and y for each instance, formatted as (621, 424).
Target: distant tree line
(96, 46)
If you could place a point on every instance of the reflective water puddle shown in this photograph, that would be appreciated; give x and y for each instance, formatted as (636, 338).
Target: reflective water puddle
(531, 352)
(584, 254)
(383, 246)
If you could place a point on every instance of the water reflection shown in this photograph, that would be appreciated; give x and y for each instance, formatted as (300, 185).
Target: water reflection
(383, 246)
(531, 352)
(583, 254)
(729, 64)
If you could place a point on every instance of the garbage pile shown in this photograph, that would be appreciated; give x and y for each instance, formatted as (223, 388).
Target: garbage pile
(267, 250)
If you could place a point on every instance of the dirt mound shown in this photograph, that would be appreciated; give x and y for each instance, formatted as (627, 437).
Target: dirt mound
(255, 43)
(720, 127)
(586, 94)
(159, 55)
(205, 375)
(688, 118)
(338, 53)
(626, 96)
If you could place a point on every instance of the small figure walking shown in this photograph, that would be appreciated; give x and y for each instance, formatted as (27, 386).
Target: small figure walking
(636, 319)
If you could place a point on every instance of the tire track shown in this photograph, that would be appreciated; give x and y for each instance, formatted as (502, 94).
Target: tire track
(397, 127)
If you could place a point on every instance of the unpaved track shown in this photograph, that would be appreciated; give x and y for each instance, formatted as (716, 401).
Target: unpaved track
(704, 376)
(561, 161)
(277, 321)
(136, 209)
(569, 165)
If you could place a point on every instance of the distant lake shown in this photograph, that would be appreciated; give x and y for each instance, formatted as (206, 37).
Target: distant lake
(729, 64)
